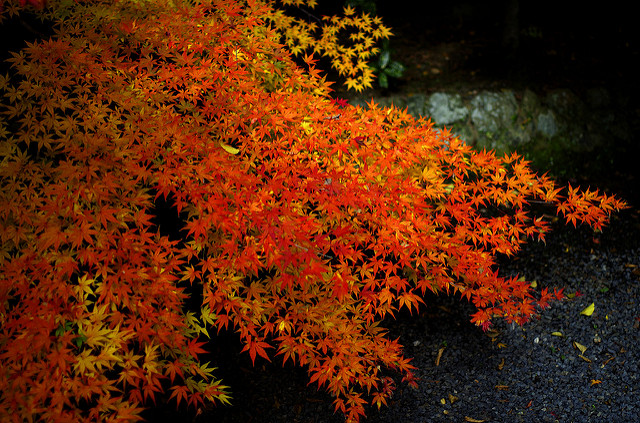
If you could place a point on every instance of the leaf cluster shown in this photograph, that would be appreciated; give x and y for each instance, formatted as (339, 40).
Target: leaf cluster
(385, 68)
(348, 40)
(305, 221)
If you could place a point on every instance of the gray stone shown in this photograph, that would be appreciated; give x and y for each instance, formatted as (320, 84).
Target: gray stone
(529, 98)
(416, 105)
(566, 104)
(558, 123)
(492, 111)
(546, 124)
(529, 105)
(445, 109)
(464, 132)
(515, 138)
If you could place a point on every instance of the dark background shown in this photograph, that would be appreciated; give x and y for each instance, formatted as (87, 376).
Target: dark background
(527, 42)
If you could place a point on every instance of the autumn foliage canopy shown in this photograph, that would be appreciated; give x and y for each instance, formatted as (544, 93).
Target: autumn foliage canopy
(302, 222)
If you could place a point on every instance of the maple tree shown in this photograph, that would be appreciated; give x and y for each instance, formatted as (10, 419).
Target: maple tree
(303, 221)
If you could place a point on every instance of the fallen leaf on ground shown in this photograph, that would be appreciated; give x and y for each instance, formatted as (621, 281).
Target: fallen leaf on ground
(492, 333)
(440, 351)
(607, 362)
(557, 334)
(472, 420)
(588, 311)
(572, 295)
(584, 358)
(579, 347)
(595, 382)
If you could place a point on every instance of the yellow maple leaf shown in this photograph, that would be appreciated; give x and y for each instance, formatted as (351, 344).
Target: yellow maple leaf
(355, 84)
(588, 311)
(348, 10)
(229, 149)
(84, 362)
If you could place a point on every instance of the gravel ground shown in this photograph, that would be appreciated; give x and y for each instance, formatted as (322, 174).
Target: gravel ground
(535, 373)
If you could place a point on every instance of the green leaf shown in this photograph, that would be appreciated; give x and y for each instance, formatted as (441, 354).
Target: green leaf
(385, 57)
(579, 347)
(383, 81)
(79, 340)
(63, 328)
(395, 69)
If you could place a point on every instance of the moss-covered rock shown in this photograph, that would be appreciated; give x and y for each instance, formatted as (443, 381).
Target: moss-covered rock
(557, 130)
